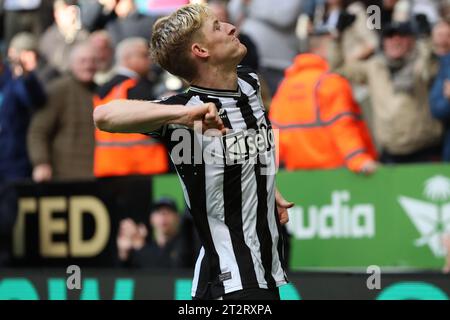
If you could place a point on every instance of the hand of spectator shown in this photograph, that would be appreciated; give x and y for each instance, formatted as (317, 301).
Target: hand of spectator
(127, 230)
(22, 62)
(447, 89)
(42, 172)
(345, 21)
(140, 236)
(369, 167)
(282, 206)
(17, 67)
(362, 54)
(28, 60)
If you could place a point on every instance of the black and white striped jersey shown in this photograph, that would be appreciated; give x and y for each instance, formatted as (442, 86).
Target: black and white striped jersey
(229, 187)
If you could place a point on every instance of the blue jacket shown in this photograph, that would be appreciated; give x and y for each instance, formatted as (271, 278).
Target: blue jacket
(440, 105)
(18, 99)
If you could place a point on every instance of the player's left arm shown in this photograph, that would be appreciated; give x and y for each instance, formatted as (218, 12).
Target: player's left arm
(282, 206)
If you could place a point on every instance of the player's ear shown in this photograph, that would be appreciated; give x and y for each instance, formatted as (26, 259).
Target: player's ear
(199, 51)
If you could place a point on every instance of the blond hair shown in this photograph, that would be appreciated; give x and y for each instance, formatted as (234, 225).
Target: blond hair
(172, 37)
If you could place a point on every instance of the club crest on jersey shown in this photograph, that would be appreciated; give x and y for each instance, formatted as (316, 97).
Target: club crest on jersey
(223, 115)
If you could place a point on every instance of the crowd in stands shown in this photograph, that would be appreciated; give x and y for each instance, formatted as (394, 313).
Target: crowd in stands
(347, 83)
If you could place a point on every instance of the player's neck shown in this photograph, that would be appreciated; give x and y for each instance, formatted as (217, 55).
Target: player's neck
(217, 79)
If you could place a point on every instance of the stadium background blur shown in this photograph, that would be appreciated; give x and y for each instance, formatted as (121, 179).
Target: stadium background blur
(357, 213)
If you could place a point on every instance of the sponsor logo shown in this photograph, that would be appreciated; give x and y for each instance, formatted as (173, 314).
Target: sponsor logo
(431, 218)
(335, 220)
(244, 145)
(252, 146)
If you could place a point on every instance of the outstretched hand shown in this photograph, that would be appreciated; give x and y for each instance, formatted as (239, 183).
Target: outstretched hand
(282, 206)
(369, 167)
(131, 236)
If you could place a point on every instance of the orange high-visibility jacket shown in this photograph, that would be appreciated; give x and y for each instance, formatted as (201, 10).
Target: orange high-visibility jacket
(118, 154)
(320, 124)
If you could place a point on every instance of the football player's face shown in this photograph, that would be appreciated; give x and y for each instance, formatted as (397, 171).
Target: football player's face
(220, 39)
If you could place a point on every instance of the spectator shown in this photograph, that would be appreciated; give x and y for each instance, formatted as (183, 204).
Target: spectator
(61, 136)
(422, 13)
(124, 21)
(321, 126)
(21, 94)
(131, 237)
(441, 38)
(398, 79)
(104, 50)
(20, 16)
(444, 9)
(349, 18)
(25, 46)
(59, 39)
(125, 154)
(163, 250)
(271, 25)
(440, 102)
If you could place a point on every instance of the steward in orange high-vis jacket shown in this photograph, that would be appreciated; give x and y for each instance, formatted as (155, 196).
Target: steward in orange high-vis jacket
(118, 154)
(320, 124)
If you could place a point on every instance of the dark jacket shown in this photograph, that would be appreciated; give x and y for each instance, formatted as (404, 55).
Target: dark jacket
(19, 97)
(440, 105)
(153, 256)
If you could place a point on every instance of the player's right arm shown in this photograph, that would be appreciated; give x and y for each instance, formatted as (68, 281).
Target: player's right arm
(132, 116)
